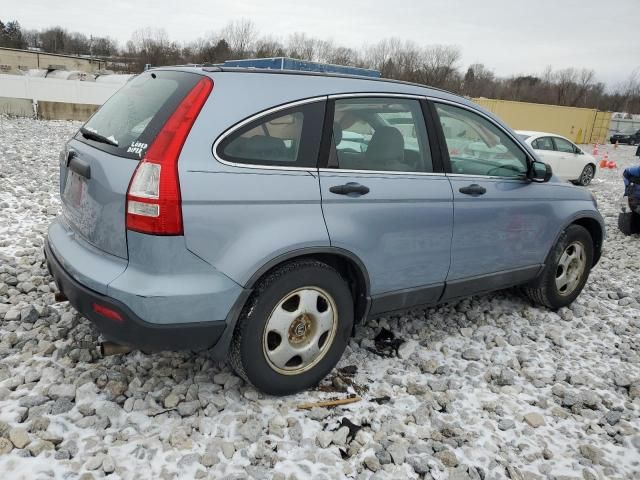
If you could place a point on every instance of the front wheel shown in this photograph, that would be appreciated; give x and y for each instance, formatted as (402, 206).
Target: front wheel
(566, 271)
(294, 328)
(587, 175)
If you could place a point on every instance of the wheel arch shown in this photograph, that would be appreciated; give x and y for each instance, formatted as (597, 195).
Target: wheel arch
(345, 262)
(596, 231)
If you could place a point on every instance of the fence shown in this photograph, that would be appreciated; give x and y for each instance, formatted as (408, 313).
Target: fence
(581, 125)
(61, 99)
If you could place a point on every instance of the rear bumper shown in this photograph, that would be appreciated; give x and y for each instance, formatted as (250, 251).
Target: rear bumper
(132, 330)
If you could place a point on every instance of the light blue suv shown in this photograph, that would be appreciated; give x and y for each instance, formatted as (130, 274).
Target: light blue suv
(264, 214)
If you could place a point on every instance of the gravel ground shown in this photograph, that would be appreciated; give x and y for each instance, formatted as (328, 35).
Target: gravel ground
(486, 388)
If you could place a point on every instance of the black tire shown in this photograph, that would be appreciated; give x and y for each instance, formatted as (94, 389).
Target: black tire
(247, 355)
(629, 223)
(587, 175)
(544, 290)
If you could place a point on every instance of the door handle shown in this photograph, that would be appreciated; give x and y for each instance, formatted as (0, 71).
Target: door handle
(349, 188)
(474, 190)
(81, 167)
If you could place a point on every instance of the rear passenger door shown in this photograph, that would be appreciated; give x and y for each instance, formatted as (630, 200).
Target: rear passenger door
(503, 222)
(385, 197)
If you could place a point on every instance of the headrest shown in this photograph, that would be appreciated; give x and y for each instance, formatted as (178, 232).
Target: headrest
(337, 133)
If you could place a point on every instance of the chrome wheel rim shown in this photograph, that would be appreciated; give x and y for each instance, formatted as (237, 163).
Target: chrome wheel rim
(300, 330)
(571, 266)
(587, 175)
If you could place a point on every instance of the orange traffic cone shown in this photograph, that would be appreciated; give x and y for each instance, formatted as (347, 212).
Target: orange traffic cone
(612, 164)
(604, 163)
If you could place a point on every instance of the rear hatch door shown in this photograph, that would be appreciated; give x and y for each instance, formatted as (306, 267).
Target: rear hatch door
(97, 165)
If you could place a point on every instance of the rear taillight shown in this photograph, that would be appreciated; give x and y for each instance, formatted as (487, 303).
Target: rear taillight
(153, 198)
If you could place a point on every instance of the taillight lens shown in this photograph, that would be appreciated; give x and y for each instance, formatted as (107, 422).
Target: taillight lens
(153, 199)
(107, 312)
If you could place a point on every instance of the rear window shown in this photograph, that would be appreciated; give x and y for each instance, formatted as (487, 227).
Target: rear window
(134, 115)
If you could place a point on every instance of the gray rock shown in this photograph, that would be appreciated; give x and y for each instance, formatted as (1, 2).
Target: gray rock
(62, 390)
(323, 439)
(506, 424)
(419, 463)
(188, 460)
(589, 399)
(415, 388)
(447, 457)
(472, 354)
(19, 437)
(5, 445)
(407, 348)
(534, 419)
(621, 379)
(505, 377)
(592, 453)
(340, 436)
(251, 430)
(108, 464)
(372, 463)
(186, 409)
(38, 446)
(428, 366)
(398, 453)
(94, 463)
(28, 314)
(171, 401)
(438, 385)
(612, 417)
(228, 449)
(61, 405)
(4, 429)
(209, 459)
(86, 409)
(12, 315)
(33, 401)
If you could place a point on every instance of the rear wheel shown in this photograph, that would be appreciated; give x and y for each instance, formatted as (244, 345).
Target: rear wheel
(566, 270)
(294, 328)
(587, 175)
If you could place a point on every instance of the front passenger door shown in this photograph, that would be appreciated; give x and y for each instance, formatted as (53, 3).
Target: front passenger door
(501, 219)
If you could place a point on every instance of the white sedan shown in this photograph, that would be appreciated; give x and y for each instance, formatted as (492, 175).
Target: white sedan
(566, 159)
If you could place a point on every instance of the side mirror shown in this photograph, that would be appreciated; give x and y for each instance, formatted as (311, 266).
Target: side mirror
(540, 172)
(578, 151)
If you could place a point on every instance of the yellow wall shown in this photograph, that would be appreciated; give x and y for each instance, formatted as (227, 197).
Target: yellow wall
(581, 125)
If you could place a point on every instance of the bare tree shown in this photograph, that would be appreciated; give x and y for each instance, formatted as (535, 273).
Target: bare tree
(300, 46)
(240, 35)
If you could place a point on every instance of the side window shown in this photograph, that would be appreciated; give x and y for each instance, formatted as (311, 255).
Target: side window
(286, 138)
(477, 146)
(563, 145)
(383, 134)
(542, 143)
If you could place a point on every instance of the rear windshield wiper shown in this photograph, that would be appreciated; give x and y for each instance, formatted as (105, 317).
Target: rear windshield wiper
(91, 135)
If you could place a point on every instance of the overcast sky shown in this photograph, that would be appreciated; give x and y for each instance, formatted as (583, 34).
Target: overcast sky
(508, 36)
